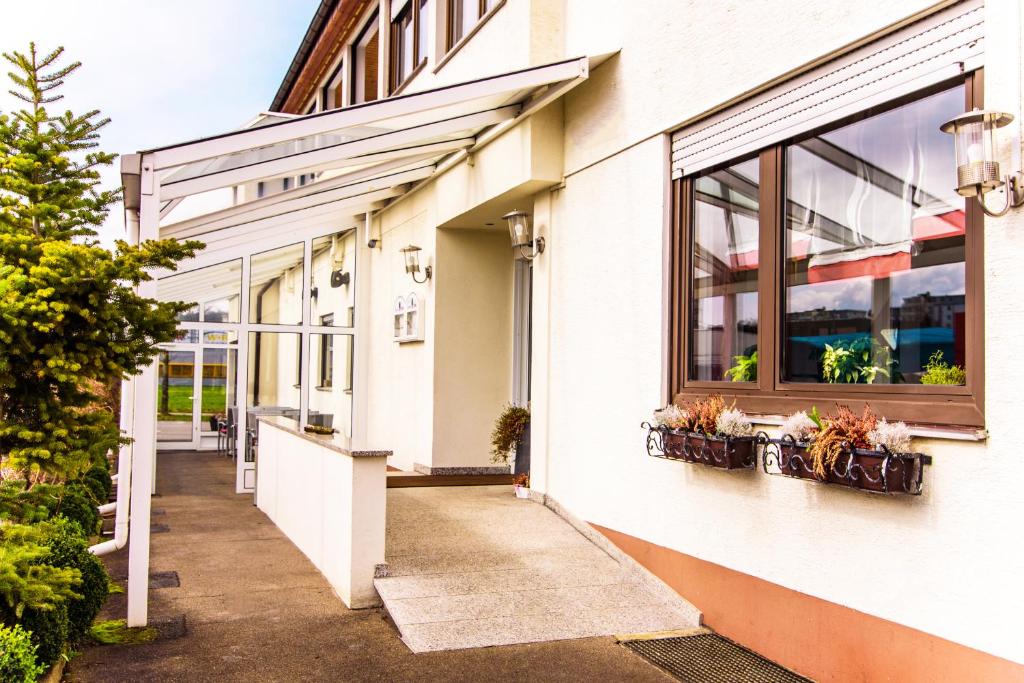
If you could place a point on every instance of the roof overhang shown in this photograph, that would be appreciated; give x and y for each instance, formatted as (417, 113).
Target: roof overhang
(365, 155)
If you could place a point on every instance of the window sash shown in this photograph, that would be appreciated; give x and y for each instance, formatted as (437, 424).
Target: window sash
(961, 405)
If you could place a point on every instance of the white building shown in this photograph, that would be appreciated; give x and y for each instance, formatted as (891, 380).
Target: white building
(709, 179)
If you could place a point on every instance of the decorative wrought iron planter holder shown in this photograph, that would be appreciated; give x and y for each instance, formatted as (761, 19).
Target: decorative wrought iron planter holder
(729, 453)
(865, 470)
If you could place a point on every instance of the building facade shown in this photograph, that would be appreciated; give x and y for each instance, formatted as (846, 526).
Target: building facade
(731, 177)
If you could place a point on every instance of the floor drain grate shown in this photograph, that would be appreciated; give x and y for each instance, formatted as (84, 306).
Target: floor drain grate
(164, 580)
(710, 658)
(159, 528)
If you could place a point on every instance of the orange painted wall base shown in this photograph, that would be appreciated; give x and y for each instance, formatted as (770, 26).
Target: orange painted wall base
(814, 637)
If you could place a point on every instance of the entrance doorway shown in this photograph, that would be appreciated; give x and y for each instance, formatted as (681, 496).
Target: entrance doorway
(196, 391)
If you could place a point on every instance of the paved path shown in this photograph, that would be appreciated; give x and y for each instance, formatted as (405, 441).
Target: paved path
(255, 609)
(473, 566)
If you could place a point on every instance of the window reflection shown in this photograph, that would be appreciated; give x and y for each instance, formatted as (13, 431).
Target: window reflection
(330, 381)
(275, 286)
(215, 290)
(874, 249)
(333, 277)
(723, 304)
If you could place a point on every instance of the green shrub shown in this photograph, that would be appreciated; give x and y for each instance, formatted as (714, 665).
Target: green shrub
(18, 662)
(101, 474)
(508, 430)
(94, 488)
(27, 507)
(69, 549)
(117, 632)
(78, 505)
(26, 581)
(49, 631)
(937, 371)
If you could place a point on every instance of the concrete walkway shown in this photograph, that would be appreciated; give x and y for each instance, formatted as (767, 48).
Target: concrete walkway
(473, 566)
(251, 607)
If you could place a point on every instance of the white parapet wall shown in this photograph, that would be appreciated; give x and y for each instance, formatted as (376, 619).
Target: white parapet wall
(329, 500)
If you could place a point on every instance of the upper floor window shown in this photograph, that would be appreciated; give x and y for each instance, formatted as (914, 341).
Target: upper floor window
(840, 265)
(408, 39)
(364, 63)
(463, 15)
(333, 95)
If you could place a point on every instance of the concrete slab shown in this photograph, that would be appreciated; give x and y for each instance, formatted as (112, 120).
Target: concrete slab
(475, 567)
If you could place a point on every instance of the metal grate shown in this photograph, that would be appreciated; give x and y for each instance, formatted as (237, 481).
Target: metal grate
(710, 658)
(163, 580)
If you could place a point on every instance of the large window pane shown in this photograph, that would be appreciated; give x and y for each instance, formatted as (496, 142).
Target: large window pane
(332, 297)
(275, 378)
(874, 249)
(216, 292)
(174, 395)
(723, 291)
(275, 286)
(218, 387)
(330, 382)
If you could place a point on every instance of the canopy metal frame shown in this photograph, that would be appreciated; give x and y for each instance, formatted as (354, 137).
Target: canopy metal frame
(362, 158)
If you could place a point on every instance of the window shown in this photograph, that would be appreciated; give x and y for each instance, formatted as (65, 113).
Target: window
(326, 353)
(408, 40)
(334, 91)
(275, 286)
(464, 15)
(833, 267)
(364, 65)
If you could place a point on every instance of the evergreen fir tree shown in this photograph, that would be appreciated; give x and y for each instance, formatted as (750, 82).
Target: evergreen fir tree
(70, 319)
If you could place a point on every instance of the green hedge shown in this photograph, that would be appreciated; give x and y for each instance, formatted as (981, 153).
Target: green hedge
(69, 549)
(18, 663)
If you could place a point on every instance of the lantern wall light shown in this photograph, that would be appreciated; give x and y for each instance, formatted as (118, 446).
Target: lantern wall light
(520, 230)
(977, 170)
(412, 263)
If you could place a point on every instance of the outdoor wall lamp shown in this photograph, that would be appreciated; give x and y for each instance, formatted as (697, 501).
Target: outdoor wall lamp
(520, 229)
(412, 263)
(977, 171)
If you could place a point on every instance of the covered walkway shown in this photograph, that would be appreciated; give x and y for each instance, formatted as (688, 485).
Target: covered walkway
(254, 608)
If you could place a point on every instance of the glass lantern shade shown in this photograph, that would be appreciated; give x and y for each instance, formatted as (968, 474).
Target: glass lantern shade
(519, 228)
(973, 134)
(412, 258)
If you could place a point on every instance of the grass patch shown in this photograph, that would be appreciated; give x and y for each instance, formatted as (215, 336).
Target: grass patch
(116, 632)
(113, 587)
(177, 406)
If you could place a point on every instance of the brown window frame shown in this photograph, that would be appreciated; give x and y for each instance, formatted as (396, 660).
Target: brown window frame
(454, 42)
(371, 28)
(396, 79)
(769, 395)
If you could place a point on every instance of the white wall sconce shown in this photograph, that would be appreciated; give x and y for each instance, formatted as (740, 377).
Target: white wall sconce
(412, 264)
(520, 230)
(977, 171)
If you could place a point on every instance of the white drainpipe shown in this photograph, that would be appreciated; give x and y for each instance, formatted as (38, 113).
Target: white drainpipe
(124, 458)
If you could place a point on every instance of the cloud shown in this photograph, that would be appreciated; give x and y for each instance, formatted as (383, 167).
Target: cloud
(164, 71)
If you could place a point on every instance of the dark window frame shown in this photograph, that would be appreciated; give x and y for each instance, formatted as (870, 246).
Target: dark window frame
(770, 395)
(368, 29)
(453, 39)
(413, 12)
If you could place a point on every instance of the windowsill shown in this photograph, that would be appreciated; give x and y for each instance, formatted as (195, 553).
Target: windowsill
(324, 388)
(921, 431)
(408, 79)
(469, 36)
(956, 417)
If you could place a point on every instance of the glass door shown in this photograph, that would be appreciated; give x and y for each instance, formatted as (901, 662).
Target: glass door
(176, 405)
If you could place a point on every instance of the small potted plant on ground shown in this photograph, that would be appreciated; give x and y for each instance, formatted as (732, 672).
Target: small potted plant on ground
(521, 485)
(707, 431)
(508, 437)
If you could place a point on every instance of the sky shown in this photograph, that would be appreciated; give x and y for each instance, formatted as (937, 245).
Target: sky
(164, 71)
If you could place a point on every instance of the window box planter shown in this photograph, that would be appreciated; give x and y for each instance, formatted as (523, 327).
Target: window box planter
(728, 453)
(865, 470)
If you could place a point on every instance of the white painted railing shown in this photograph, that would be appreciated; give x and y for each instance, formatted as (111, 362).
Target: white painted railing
(330, 501)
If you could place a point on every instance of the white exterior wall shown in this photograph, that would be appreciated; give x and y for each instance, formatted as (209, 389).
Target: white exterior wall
(598, 315)
(950, 549)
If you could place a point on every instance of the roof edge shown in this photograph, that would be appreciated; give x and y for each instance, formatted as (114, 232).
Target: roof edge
(309, 40)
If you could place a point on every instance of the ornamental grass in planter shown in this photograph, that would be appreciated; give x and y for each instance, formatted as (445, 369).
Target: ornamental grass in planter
(857, 451)
(706, 431)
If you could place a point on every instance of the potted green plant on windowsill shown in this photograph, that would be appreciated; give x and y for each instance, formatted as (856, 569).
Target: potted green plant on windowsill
(707, 431)
(937, 371)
